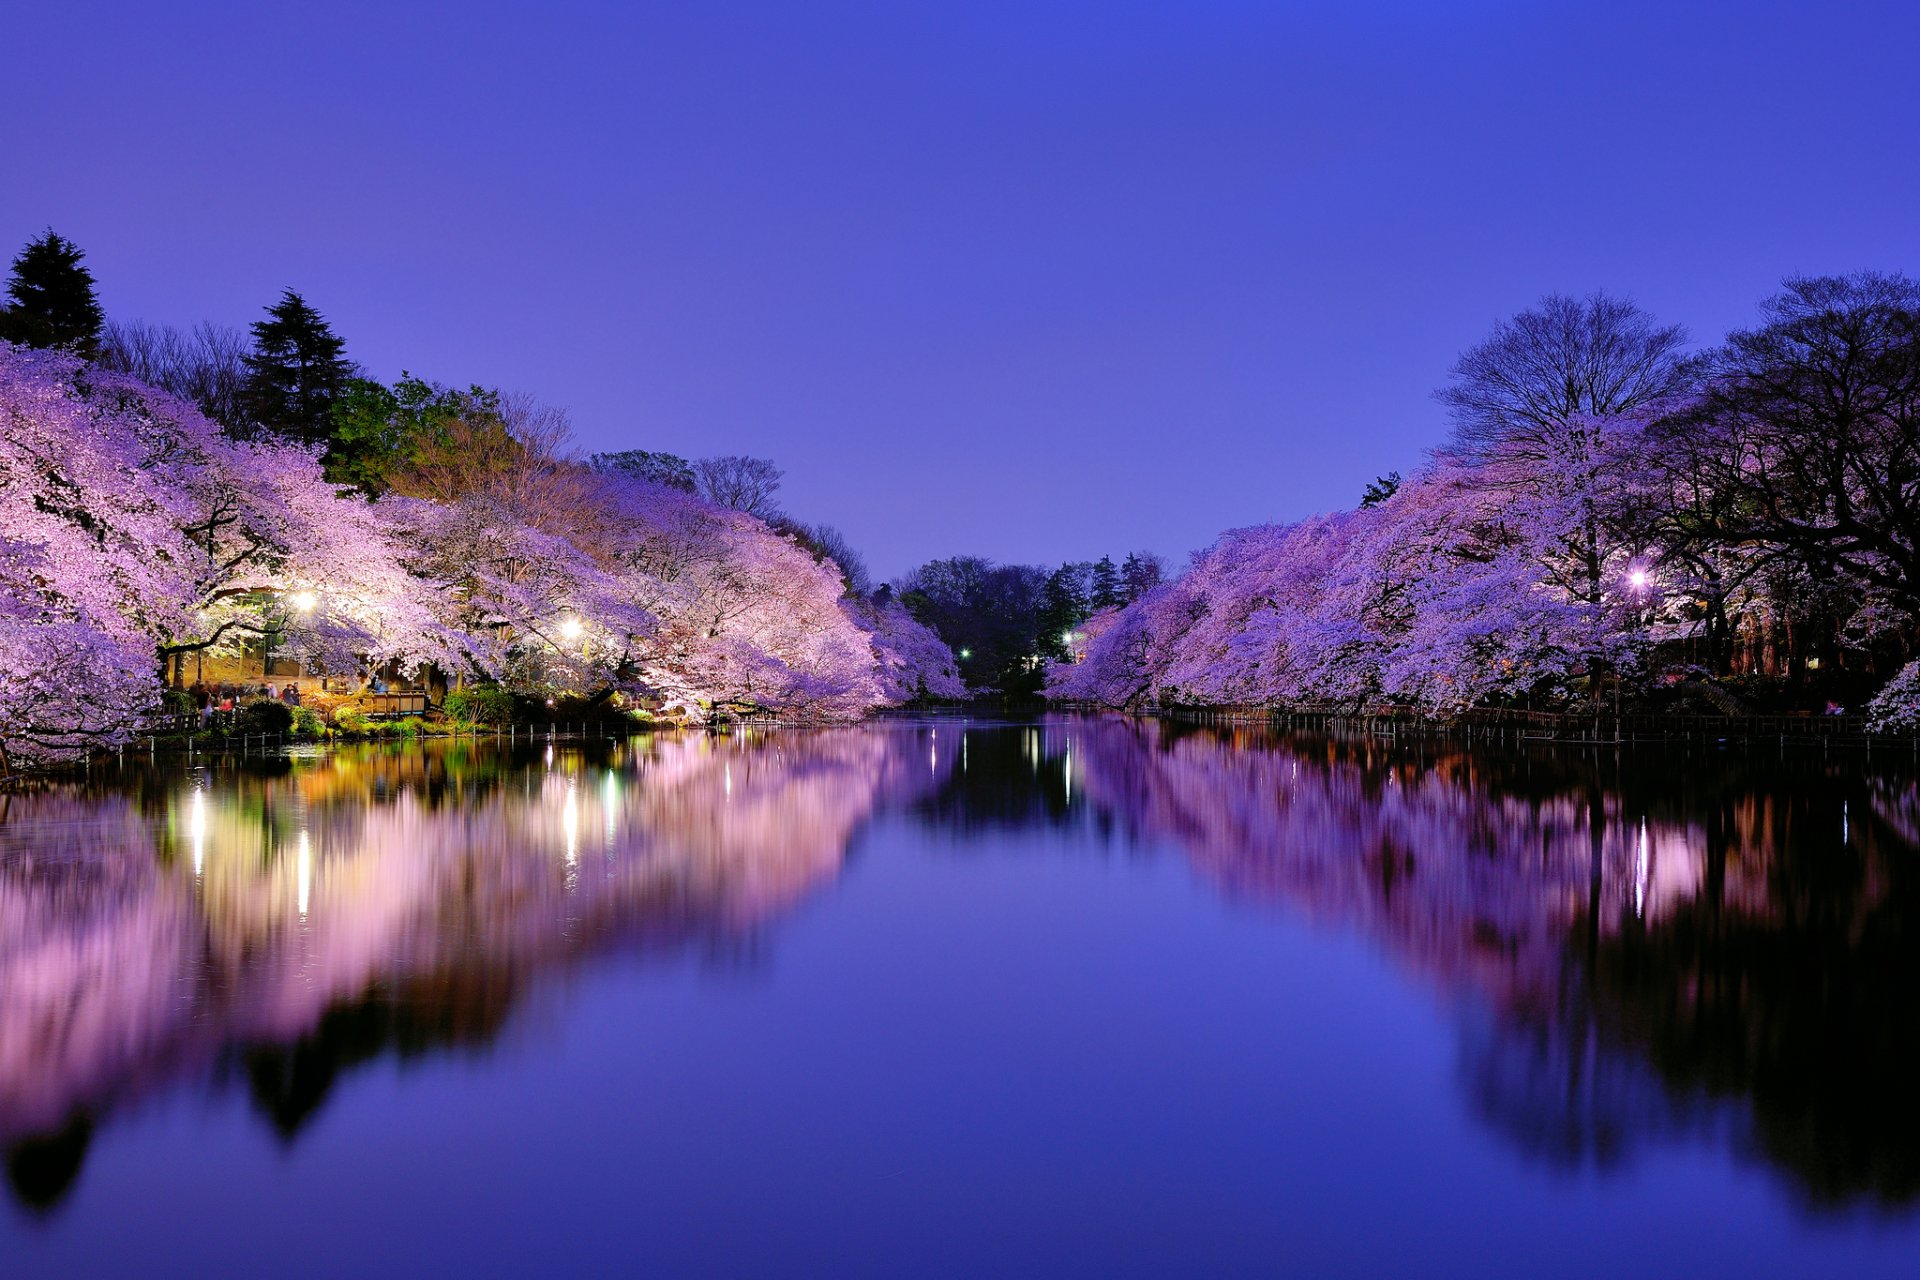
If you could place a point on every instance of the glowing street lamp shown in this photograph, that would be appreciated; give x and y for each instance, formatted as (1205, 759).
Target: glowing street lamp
(1638, 579)
(571, 629)
(966, 653)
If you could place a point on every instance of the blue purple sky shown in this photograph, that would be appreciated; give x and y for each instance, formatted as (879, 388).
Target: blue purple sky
(1037, 281)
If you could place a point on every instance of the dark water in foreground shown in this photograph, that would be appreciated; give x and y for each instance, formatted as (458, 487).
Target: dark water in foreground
(1085, 997)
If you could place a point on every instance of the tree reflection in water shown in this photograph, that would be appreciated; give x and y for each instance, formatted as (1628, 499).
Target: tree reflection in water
(280, 924)
(1697, 944)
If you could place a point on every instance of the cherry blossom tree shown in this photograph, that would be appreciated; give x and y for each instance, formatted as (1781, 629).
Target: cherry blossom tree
(913, 662)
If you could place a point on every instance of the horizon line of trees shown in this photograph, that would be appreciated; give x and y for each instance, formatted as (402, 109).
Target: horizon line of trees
(1006, 622)
(1612, 511)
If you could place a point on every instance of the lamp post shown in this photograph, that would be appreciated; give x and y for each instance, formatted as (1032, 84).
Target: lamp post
(303, 603)
(1638, 580)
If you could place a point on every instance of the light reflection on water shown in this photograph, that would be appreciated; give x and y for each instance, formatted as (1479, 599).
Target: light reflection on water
(1695, 949)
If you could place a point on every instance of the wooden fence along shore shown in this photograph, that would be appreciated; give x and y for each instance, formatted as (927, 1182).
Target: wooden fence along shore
(1515, 724)
(172, 735)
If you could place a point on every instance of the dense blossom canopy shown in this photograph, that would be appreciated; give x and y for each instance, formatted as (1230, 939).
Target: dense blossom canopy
(134, 531)
(1474, 580)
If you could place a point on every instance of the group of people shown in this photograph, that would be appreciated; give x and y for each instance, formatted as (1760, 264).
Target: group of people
(211, 698)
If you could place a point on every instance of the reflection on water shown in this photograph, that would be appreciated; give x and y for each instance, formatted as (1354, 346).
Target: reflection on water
(1704, 946)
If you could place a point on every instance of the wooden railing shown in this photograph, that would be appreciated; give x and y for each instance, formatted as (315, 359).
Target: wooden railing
(392, 704)
(1552, 724)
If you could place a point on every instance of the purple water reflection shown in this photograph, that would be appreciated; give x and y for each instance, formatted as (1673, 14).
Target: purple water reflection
(1082, 996)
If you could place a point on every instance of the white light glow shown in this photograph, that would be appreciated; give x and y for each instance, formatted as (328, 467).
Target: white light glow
(304, 601)
(1641, 860)
(570, 822)
(303, 874)
(197, 830)
(571, 629)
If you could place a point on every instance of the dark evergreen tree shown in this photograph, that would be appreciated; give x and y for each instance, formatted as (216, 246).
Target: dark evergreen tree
(297, 370)
(1063, 608)
(1106, 584)
(1380, 489)
(53, 303)
(1139, 574)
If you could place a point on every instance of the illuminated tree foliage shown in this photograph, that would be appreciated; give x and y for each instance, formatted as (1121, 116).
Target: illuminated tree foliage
(134, 533)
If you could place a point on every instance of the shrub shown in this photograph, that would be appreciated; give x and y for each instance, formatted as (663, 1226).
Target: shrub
(1896, 708)
(352, 720)
(264, 716)
(482, 704)
(412, 727)
(307, 722)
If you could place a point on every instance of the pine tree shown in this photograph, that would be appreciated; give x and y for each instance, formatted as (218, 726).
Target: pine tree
(1106, 584)
(53, 299)
(1063, 607)
(296, 371)
(1140, 573)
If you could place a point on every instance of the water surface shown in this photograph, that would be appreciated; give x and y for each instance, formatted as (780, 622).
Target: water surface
(1077, 997)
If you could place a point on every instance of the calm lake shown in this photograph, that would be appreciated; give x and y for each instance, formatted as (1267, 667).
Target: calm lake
(922, 997)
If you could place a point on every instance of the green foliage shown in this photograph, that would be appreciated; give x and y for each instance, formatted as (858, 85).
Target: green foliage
(378, 431)
(482, 704)
(412, 727)
(352, 720)
(264, 716)
(307, 723)
(53, 302)
(297, 370)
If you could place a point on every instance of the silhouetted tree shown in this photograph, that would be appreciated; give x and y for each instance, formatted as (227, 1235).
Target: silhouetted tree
(206, 364)
(669, 469)
(53, 302)
(1104, 590)
(1808, 436)
(1380, 489)
(997, 613)
(1140, 573)
(740, 483)
(827, 543)
(1521, 393)
(296, 371)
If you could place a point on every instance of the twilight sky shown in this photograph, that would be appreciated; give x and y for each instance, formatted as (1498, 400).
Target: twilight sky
(1036, 281)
